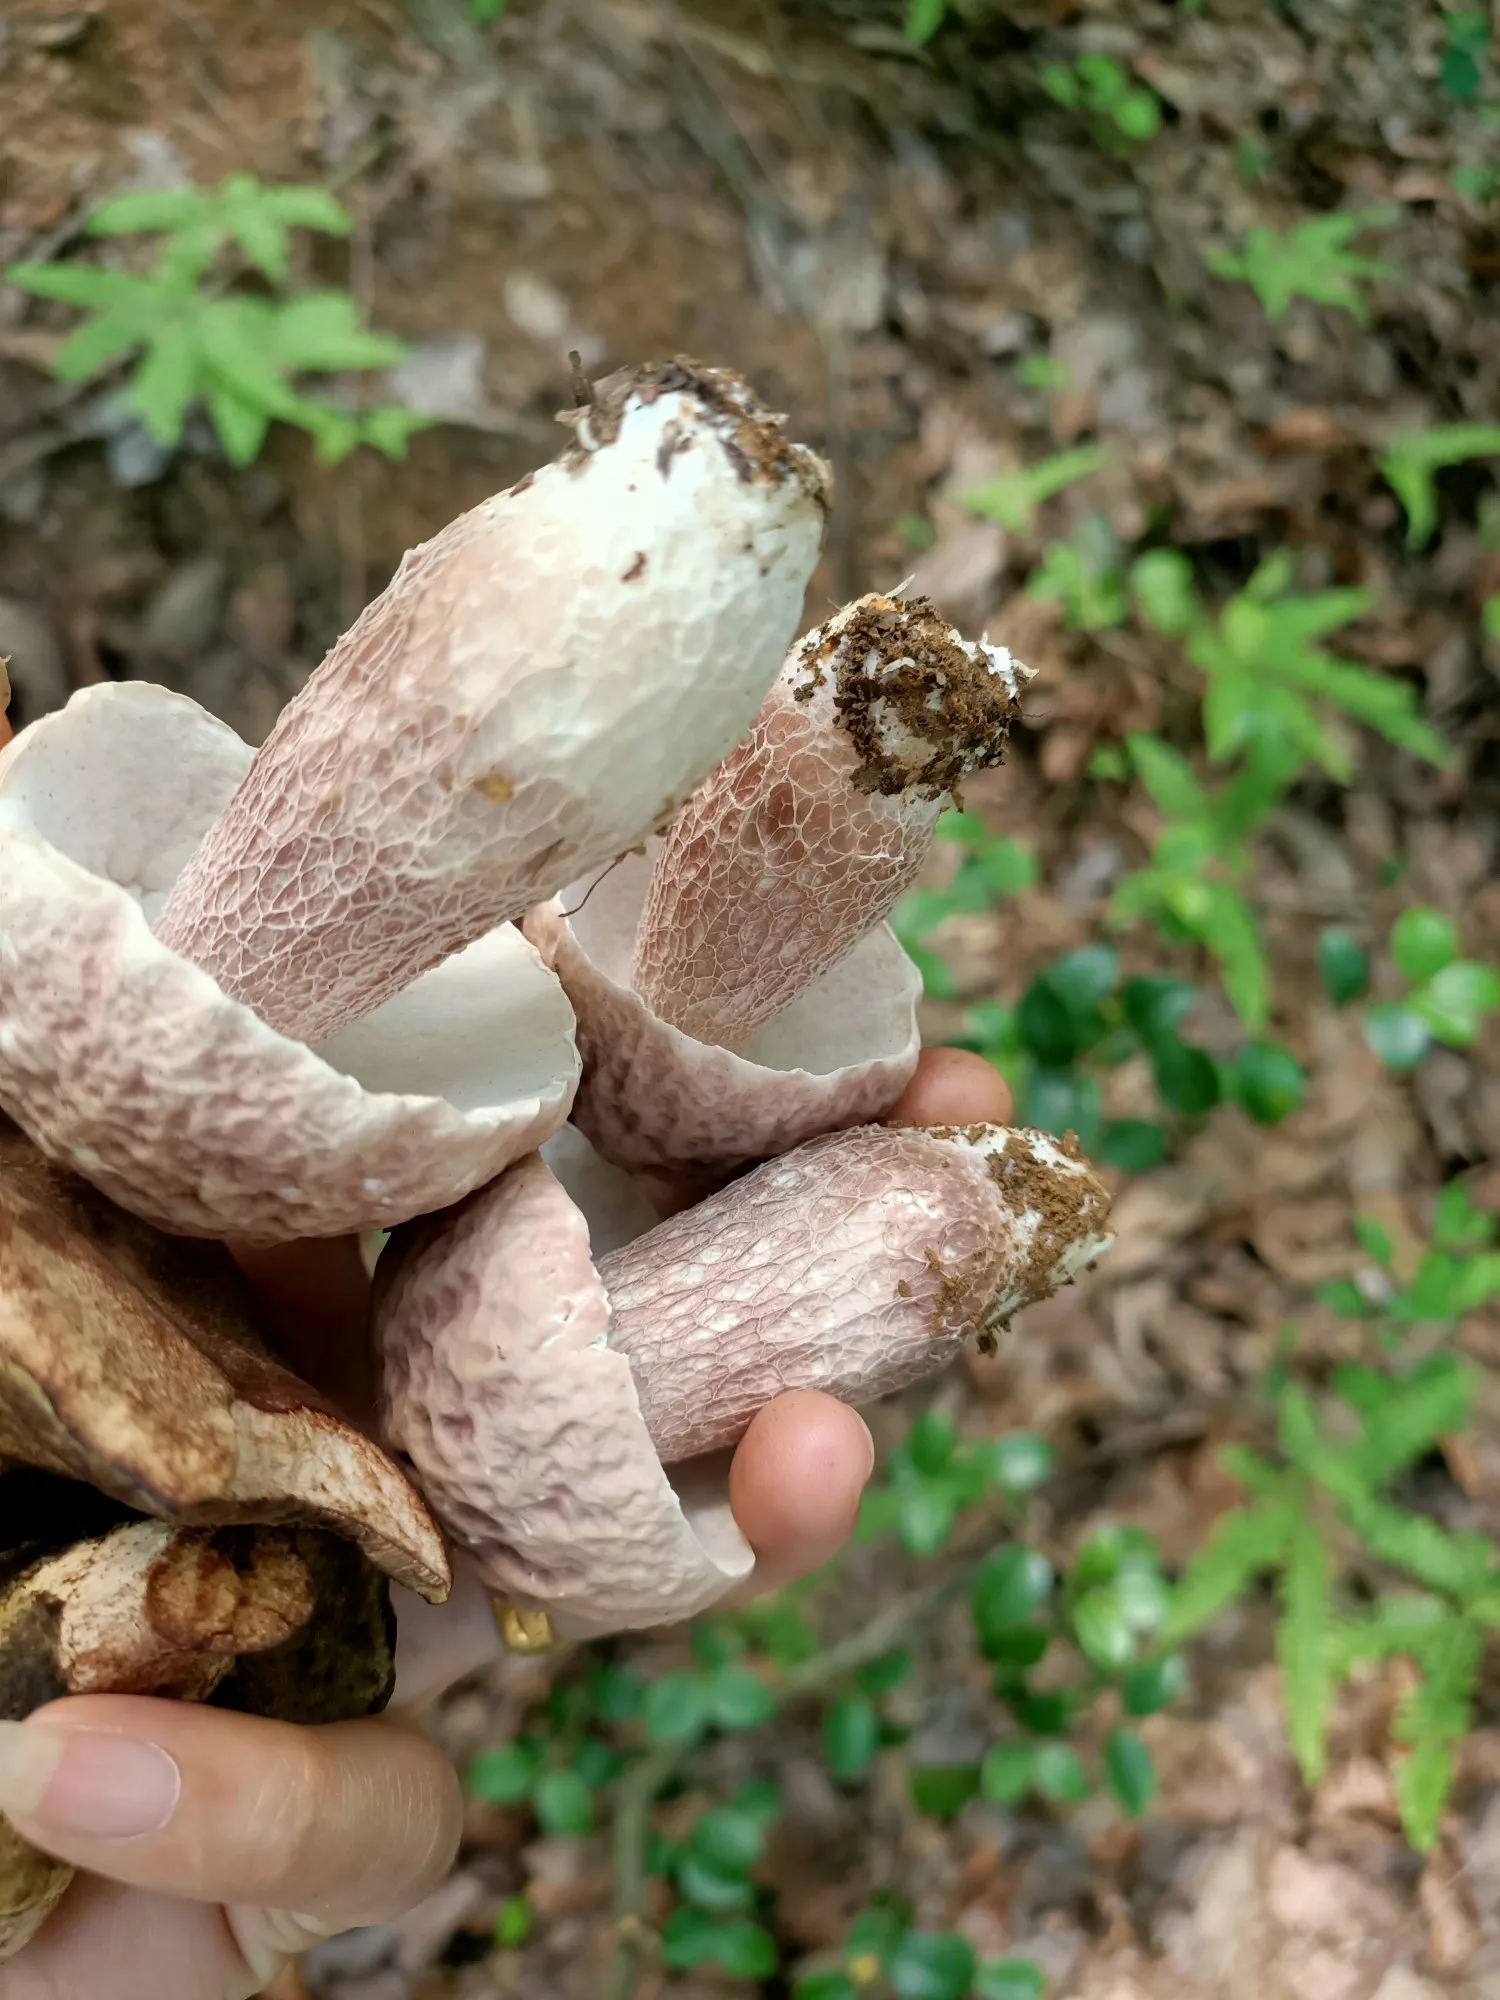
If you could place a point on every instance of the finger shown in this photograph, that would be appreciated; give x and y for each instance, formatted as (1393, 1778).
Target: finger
(107, 1939)
(795, 1483)
(315, 1299)
(348, 1824)
(953, 1087)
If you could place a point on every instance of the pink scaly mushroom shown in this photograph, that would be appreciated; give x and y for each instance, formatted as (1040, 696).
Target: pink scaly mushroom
(567, 1419)
(738, 989)
(279, 995)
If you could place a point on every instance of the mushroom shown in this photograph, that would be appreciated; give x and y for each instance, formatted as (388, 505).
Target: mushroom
(179, 1514)
(740, 991)
(279, 994)
(565, 1417)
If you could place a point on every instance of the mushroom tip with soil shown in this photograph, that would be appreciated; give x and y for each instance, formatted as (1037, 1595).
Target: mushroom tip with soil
(569, 1417)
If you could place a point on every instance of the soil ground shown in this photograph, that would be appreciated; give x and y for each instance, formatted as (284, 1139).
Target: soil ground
(881, 241)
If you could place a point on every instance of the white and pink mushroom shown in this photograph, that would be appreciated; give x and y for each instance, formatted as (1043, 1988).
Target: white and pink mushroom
(560, 825)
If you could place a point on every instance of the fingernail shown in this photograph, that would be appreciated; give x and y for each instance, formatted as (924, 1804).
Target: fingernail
(870, 1443)
(91, 1782)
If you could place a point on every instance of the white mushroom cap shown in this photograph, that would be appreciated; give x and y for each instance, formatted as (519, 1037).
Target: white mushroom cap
(857, 1265)
(131, 1065)
(653, 1099)
(540, 686)
(525, 1430)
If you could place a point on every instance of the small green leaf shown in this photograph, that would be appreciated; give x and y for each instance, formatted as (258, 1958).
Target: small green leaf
(241, 426)
(923, 19)
(1009, 1979)
(1021, 1461)
(675, 1709)
(889, 1671)
(930, 1441)
(1397, 1036)
(825, 1986)
(851, 1736)
(1146, 1688)
(152, 209)
(1101, 1630)
(1058, 1773)
(1167, 776)
(1374, 1241)
(924, 1517)
(1423, 941)
(1049, 1714)
(1006, 1772)
(1344, 1297)
(1129, 1772)
(616, 1691)
(1344, 964)
(943, 1789)
(930, 1965)
(1138, 115)
(506, 1775)
(166, 382)
(715, 1643)
(1008, 1586)
(1267, 1082)
(513, 1922)
(1162, 581)
(738, 1699)
(1239, 1546)
(1454, 1002)
(563, 1802)
(1133, 1145)
(1434, 1721)
(1185, 1075)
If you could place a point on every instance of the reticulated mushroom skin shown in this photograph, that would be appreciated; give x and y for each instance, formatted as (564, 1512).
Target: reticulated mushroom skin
(806, 835)
(655, 1100)
(738, 991)
(857, 1264)
(524, 1428)
(131, 1065)
(541, 685)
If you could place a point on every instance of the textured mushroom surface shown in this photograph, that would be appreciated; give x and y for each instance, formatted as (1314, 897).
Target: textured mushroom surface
(132, 1362)
(858, 1264)
(654, 1099)
(132, 1066)
(539, 687)
(539, 1397)
(738, 991)
(524, 1428)
(805, 836)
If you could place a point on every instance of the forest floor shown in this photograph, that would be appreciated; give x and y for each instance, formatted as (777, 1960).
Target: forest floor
(941, 275)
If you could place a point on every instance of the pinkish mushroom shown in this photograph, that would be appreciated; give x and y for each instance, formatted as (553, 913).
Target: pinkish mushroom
(563, 1416)
(332, 1025)
(178, 1513)
(739, 991)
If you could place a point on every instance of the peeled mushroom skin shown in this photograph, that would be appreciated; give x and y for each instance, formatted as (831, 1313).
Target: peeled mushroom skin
(568, 1421)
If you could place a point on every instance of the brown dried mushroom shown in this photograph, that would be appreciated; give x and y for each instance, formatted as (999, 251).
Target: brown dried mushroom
(179, 1514)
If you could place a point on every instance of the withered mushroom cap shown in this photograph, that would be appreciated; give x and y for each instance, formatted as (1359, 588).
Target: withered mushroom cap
(656, 1100)
(132, 1066)
(133, 1363)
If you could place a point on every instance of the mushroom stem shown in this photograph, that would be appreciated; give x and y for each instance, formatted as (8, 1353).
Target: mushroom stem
(539, 687)
(858, 1264)
(800, 843)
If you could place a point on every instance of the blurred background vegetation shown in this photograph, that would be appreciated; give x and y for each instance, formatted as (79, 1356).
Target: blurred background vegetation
(1159, 338)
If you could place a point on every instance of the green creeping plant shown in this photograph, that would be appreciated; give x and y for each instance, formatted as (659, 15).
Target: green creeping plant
(238, 353)
(1448, 998)
(1099, 85)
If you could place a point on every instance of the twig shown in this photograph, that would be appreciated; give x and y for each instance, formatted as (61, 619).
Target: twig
(632, 1830)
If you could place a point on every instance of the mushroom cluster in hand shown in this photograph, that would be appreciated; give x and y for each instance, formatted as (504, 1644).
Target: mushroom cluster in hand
(565, 823)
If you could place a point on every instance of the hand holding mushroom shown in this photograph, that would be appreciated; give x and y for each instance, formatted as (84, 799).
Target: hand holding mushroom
(546, 833)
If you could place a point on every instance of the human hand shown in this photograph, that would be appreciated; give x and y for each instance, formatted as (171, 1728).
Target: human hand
(214, 1846)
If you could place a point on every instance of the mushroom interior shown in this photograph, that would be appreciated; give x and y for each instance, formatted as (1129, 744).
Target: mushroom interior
(126, 781)
(859, 1011)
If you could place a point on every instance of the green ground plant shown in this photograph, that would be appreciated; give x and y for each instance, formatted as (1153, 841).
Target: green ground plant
(1412, 462)
(1448, 998)
(1118, 109)
(1312, 260)
(196, 335)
